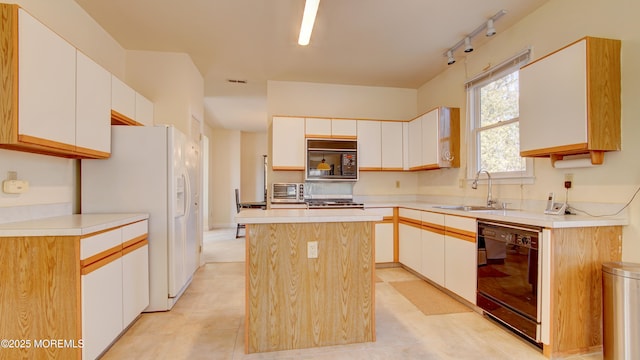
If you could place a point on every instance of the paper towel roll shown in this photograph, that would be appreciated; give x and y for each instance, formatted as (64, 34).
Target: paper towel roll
(573, 163)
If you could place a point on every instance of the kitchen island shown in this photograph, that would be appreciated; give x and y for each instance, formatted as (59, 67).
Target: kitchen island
(309, 278)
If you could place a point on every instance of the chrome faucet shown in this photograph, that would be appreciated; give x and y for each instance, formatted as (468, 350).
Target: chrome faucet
(474, 185)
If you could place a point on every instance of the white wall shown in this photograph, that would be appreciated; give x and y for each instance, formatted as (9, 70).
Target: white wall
(172, 82)
(224, 175)
(252, 147)
(555, 24)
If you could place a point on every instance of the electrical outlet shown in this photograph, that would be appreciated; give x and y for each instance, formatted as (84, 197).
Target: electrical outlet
(397, 184)
(568, 181)
(312, 250)
(461, 183)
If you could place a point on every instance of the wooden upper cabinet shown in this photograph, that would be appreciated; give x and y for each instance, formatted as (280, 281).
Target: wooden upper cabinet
(39, 75)
(570, 101)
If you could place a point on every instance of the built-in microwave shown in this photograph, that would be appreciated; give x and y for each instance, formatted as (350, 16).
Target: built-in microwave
(331, 159)
(287, 193)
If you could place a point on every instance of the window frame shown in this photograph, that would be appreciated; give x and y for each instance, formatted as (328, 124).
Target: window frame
(473, 122)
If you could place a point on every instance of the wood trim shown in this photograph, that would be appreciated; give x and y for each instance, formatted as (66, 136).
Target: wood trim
(387, 219)
(133, 247)
(287, 168)
(370, 169)
(425, 167)
(411, 222)
(603, 94)
(134, 240)
(573, 149)
(316, 136)
(99, 256)
(396, 235)
(345, 137)
(247, 287)
(9, 73)
(391, 169)
(121, 119)
(90, 153)
(100, 263)
(461, 234)
(435, 228)
(28, 139)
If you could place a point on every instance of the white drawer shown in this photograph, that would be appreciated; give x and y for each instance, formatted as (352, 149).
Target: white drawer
(134, 230)
(411, 214)
(461, 223)
(433, 218)
(98, 243)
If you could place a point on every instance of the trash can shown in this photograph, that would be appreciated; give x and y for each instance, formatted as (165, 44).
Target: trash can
(621, 310)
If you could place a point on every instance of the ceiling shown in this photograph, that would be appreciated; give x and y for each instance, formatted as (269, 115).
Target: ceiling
(391, 43)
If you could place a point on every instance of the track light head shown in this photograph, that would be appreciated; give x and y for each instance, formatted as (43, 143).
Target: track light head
(490, 29)
(467, 45)
(450, 58)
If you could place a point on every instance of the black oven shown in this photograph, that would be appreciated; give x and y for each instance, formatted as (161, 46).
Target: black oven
(509, 276)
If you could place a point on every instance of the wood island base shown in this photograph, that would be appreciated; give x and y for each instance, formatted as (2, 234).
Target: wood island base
(295, 301)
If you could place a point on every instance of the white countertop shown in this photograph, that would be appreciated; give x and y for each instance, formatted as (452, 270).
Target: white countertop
(280, 216)
(68, 225)
(515, 216)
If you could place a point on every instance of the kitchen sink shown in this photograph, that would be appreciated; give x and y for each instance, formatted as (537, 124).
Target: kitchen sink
(466, 207)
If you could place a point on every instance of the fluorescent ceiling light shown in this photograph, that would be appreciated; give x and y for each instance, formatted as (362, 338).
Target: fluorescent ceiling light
(308, 18)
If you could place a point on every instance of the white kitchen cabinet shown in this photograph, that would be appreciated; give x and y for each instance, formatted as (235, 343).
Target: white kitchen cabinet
(288, 147)
(570, 101)
(123, 98)
(434, 139)
(461, 257)
(432, 236)
(144, 110)
(370, 145)
(93, 106)
(344, 128)
(47, 85)
(384, 242)
(415, 143)
(384, 235)
(409, 238)
(317, 127)
(135, 282)
(331, 128)
(410, 246)
(392, 145)
(55, 95)
(101, 307)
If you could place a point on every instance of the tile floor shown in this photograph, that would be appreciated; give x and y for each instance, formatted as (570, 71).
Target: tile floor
(208, 323)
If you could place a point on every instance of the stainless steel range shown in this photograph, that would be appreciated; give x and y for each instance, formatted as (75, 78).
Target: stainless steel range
(333, 204)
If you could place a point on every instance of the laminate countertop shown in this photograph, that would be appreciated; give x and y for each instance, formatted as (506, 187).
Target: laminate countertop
(513, 215)
(68, 225)
(281, 216)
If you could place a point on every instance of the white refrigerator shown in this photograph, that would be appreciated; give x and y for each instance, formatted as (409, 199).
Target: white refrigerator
(154, 170)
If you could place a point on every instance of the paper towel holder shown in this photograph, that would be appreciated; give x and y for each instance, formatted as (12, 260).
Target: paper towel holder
(593, 158)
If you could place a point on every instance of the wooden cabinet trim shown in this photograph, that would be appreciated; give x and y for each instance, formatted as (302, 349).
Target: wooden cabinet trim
(434, 228)
(411, 222)
(9, 73)
(91, 260)
(90, 153)
(134, 241)
(287, 168)
(133, 247)
(461, 234)
(121, 119)
(87, 269)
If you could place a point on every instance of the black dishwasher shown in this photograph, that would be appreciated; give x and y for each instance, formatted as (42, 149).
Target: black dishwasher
(508, 276)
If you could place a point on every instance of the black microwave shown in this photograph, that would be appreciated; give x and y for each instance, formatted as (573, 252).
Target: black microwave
(331, 159)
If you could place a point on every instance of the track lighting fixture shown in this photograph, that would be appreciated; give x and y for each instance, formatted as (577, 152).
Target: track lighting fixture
(466, 41)
(490, 29)
(467, 45)
(450, 59)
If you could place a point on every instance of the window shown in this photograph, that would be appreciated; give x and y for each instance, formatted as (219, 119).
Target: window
(494, 118)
